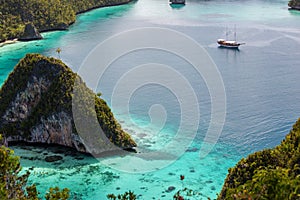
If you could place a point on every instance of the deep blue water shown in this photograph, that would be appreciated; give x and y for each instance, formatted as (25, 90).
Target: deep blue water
(261, 83)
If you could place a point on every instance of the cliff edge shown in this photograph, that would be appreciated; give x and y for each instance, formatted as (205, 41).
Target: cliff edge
(36, 107)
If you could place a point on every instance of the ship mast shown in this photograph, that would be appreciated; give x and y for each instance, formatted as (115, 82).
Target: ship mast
(226, 33)
(234, 32)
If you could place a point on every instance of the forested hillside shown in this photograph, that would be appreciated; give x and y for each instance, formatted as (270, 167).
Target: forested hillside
(294, 4)
(268, 174)
(43, 14)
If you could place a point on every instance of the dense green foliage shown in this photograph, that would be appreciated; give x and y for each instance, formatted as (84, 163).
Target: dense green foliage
(56, 193)
(13, 185)
(55, 99)
(268, 174)
(80, 6)
(43, 14)
(294, 4)
(126, 196)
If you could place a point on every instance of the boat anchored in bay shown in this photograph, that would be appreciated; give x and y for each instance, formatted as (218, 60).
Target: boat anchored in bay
(229, 43)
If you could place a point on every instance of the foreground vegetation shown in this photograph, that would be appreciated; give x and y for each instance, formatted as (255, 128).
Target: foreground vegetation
(43, 14)
(294, 4)
(13, 184)
(268, 174)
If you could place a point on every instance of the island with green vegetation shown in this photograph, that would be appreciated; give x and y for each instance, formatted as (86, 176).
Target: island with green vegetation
(268, 174)
(294, 4)
(36, 107)
(42, 15)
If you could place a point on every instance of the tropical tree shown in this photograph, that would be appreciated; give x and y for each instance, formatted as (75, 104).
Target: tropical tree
(13, 185)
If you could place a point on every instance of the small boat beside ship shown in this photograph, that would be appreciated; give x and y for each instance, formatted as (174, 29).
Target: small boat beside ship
(177, 1)
(230, 43)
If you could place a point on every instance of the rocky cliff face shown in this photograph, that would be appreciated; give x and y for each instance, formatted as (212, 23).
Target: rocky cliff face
(36, 106)
(30, 33)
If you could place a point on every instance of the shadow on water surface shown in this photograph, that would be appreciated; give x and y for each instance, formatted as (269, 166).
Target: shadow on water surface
(229, 49)
(52, 156)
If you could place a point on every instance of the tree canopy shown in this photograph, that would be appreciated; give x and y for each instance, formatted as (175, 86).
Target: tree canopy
(268, 174)
(43, 14)
(13, 184)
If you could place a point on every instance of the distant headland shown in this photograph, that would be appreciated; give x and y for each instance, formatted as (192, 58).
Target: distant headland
(24, 20)
(294, 4)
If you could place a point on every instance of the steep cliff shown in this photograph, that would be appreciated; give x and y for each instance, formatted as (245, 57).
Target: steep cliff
(268, 174)
(30, 33)
(36, 106)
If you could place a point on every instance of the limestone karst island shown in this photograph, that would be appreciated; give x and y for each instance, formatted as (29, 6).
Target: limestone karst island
(149, 100)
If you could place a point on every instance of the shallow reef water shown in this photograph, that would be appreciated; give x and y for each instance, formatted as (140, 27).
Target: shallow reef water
(260, 80)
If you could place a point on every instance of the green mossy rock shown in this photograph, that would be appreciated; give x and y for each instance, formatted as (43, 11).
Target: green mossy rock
(36, 106)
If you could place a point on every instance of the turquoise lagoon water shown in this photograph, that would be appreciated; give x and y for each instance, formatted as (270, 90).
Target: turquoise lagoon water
(261, 82)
